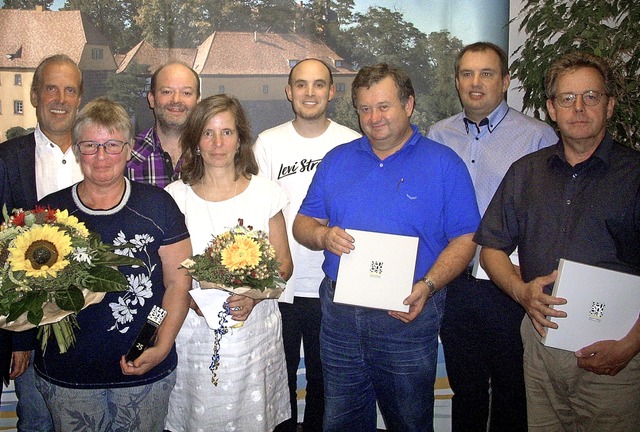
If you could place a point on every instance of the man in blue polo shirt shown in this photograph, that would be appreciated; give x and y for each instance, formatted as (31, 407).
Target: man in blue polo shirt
(392, 180)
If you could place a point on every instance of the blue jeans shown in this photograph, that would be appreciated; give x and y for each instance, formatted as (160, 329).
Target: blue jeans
(141, 408)
(368, 356)
(33, 414)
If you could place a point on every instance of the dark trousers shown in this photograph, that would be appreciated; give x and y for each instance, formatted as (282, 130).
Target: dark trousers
(301, 324)
(484, 357)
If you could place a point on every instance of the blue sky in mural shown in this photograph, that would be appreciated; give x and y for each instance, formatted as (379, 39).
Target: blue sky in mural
(468, 20)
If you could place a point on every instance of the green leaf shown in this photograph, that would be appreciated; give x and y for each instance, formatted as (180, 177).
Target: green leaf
(31, 302)
(70, 299)
(113, 259)
(106, 279)
(35, 316)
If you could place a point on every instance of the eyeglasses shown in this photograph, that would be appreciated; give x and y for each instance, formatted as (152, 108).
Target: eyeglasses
(589, 98)
(110, 147)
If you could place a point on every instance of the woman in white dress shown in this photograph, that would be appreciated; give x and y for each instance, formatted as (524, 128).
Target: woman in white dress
(219, 185)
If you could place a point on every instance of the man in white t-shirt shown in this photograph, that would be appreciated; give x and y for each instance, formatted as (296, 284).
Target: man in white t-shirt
(289, 154)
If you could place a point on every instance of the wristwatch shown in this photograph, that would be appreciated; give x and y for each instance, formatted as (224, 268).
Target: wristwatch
(430, 284)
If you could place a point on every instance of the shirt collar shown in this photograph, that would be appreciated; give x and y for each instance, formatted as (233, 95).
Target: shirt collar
(602, 152)
(491, 121)
(41, 138)
(365, 145)
(42, 142)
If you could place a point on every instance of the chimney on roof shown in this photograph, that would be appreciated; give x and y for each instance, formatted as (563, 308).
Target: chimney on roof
(38, 8)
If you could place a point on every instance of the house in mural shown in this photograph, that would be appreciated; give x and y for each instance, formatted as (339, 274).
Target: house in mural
(254, 67)
(29, 36)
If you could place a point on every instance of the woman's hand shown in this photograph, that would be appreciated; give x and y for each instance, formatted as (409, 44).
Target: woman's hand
(240, 306)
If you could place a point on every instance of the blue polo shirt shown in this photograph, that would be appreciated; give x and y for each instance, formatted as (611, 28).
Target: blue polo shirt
(423, 190)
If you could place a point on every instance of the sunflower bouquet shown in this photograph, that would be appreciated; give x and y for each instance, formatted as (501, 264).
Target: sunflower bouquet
(240, 261)
(51, 267)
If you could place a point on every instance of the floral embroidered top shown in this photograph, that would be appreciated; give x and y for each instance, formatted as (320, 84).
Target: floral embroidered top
(145, 219)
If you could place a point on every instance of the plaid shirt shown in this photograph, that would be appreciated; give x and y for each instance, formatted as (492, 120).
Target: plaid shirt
(150, 163)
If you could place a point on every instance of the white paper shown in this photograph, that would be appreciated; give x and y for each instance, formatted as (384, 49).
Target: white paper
(601, 305)
(211, 303)
(384, 287)
(478, 271)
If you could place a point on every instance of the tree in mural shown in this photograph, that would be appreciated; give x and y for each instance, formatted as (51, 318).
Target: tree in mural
(127, 86)
(382, 35)
(277, 16)
(114, 19)
(606, 28)
(341, 110)
(324, 19)
(27, 4)
(229, 15)
(174, 24)
(439, 98)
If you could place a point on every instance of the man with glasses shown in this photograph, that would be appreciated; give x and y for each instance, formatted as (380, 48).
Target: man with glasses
(481, 325)
(38, 164)
(578, 200)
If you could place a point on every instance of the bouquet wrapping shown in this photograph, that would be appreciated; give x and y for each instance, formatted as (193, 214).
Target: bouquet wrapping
(51, 267)
(240, 261)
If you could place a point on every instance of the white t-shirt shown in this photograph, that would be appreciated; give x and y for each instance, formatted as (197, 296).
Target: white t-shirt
(291, 160)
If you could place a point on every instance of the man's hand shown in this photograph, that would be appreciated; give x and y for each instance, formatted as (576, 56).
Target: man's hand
(19, 363)
(536, 303)
(605, 357)
(337, 241)
(416, 301)
(609, 357)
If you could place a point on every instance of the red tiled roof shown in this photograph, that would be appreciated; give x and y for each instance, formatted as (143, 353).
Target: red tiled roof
(147, 54)
(239, 53)
(44, 33)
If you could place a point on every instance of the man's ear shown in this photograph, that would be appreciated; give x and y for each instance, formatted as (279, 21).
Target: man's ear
(287, 91)
(551, 109)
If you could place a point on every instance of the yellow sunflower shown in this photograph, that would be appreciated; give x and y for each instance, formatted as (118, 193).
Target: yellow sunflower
(62, 216)
(242, 253)
(40, 251)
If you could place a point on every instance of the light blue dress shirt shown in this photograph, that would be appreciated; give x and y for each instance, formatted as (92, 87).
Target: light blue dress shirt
(490, 148)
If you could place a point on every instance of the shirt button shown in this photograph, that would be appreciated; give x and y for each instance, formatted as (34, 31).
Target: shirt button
(568, 202)
(381, 164)
(575, 175)
(64, 161)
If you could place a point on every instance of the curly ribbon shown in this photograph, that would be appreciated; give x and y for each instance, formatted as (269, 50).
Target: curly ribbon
(217, 337)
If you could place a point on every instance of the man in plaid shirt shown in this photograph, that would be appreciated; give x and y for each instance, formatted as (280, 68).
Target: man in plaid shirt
(174, 92)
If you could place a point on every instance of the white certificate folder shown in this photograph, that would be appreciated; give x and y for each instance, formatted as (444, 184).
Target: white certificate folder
(601, 305)
(378, 273)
